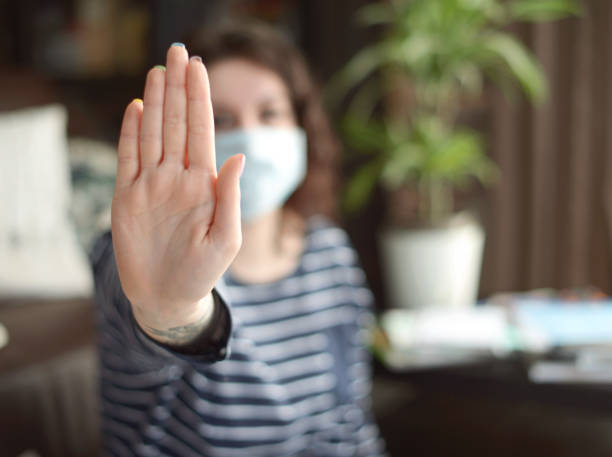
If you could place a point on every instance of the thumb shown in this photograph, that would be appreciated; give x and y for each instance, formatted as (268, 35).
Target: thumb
(226, 228)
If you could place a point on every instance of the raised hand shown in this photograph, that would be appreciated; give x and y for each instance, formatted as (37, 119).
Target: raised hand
(175, 223)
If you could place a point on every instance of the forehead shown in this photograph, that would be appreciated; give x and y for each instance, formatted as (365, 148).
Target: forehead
(237, 82)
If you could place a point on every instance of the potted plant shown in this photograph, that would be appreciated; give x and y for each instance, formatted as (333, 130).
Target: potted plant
(409, 91)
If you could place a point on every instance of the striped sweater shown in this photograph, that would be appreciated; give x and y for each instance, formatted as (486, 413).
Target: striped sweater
(287, 373)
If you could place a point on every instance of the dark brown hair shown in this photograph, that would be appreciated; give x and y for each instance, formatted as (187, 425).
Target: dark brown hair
(262, 45)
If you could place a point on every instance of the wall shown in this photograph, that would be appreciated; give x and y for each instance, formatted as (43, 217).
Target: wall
(548, 220)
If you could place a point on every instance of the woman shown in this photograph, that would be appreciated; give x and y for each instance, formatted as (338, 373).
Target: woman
(231, 322)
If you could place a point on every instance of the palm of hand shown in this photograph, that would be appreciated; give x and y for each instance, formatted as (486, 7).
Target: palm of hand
(176, 225)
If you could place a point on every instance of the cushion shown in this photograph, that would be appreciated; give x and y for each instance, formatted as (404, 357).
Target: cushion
(39, 252)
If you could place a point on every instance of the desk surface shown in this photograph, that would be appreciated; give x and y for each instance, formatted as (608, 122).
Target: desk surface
(506, 379)
(490, 409)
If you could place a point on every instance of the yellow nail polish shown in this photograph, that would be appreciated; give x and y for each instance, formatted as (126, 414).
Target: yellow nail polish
(138, 100)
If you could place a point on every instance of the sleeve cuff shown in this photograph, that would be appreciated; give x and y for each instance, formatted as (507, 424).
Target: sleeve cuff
(212, 345)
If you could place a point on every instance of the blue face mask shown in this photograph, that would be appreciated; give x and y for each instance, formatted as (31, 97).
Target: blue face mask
(275, 165)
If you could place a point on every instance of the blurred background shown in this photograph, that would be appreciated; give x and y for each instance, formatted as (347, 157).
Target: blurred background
(69, 67)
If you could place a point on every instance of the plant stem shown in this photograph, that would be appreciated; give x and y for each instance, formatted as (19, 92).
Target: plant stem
(435, 201)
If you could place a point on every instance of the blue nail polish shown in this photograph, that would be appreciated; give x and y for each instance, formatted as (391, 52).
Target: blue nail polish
(177, 43)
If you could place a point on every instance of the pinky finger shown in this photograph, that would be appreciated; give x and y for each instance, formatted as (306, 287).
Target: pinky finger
(127, 151)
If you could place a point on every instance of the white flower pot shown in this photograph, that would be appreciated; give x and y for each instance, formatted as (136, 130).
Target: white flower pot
(433, 267)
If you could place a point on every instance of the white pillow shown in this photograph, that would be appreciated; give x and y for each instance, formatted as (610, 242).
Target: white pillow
(39, 253)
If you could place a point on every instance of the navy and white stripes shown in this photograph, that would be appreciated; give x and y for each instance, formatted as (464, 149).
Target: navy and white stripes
(296, 381)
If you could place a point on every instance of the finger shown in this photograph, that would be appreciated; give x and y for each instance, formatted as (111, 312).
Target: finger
(175, 105)
(225, 231)
(152, 118)
(201, 129)
(127, 150)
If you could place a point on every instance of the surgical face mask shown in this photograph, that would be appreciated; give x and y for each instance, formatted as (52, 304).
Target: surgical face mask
(275, 165)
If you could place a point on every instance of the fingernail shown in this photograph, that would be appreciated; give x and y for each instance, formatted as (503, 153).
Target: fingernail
(178, 43)
(137, 100)
(242, 163)
(196, 58)
(161, 67)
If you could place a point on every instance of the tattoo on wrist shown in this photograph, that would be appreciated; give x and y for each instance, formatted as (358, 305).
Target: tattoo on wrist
(183, 334)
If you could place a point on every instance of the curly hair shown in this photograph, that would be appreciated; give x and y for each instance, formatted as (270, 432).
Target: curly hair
(263, 45)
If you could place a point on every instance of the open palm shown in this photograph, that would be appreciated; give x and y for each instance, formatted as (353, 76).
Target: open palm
(175, 223)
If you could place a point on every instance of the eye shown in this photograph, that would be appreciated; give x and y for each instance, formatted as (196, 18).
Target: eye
(271, 114)
(223, 121)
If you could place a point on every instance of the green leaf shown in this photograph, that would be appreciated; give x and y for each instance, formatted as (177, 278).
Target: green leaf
(403, 165)
(367, 98)
(521, 64)
(363, 64)
(543, 10)
(469, 77)
(360, 187)
(365, 135)
(457, 156)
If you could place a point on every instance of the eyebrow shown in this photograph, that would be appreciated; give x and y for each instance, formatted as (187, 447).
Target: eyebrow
(271, 100)
(264, 101)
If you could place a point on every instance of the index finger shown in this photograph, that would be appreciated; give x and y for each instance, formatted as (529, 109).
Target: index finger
(201, 128)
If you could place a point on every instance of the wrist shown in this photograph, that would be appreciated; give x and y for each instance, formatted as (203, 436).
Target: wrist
(177, 327)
